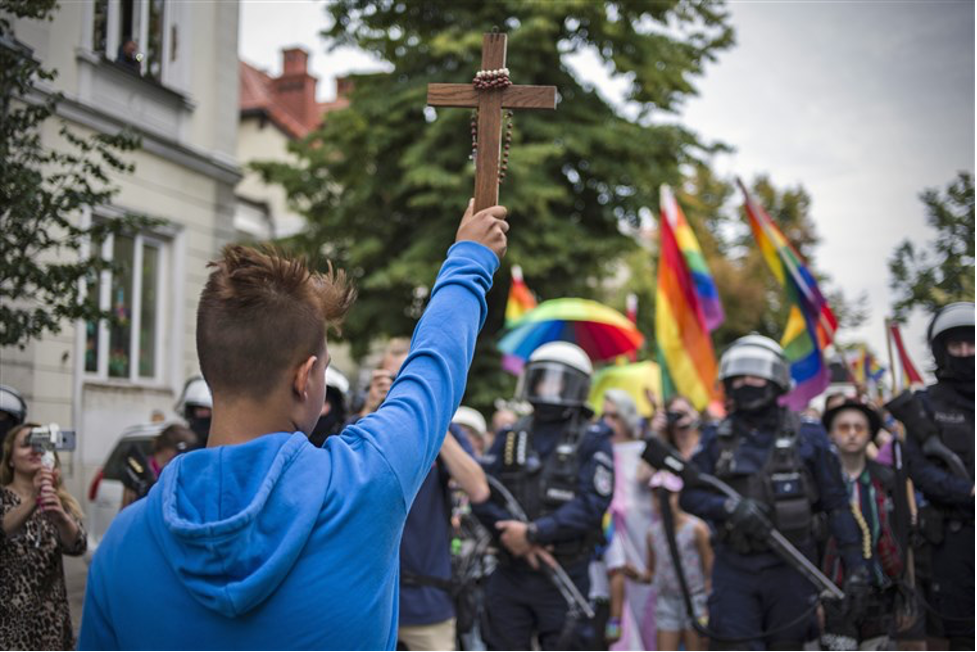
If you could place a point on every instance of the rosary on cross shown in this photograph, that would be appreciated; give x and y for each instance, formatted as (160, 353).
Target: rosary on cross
(489, 93)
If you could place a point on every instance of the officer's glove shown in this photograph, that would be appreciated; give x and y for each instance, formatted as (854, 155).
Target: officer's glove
(749, 517)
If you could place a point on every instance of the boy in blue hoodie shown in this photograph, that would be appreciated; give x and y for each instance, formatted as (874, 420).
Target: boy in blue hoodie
(262, 540)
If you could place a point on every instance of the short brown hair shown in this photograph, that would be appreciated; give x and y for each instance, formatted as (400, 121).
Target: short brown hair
(261, 314)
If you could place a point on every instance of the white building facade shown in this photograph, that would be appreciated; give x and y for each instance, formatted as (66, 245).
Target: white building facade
(181, 97)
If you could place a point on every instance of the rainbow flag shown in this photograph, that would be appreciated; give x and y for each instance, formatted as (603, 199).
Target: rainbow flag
(909, 376)
(521, 299)
(866, 368)
(687, 309)
(811, 325)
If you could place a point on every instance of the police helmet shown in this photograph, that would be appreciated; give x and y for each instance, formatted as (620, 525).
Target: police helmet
(196, 393)
(756, 355)
(950, 317)
(13, 404)
(558, 373)
(470, 418)
(336, 380)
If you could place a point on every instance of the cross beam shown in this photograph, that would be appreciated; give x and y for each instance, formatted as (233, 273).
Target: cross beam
(490, 104)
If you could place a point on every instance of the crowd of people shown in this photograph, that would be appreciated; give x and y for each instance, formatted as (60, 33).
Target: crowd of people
(273, 515)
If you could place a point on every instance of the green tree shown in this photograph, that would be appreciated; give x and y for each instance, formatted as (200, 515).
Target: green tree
(384, 182)
(942, 272)
(43, 190)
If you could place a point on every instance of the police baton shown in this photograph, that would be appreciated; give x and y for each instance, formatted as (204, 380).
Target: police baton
(659, 455)
(554, 571)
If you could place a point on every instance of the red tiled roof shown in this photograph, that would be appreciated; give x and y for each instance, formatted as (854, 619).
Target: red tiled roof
(258, 95)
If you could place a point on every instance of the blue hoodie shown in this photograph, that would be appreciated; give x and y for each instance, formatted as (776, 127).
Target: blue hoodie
(276, 544)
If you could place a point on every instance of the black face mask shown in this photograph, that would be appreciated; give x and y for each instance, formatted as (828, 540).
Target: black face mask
(957, 368)
(201, 427)
(5, 426)
(544, 412)
(748, 398)
(958, 373)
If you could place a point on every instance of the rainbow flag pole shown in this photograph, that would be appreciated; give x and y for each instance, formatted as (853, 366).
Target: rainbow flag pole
(910, 375)
(687, 309)
(811, 324)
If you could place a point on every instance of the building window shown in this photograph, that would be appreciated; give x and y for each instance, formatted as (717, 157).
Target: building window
(128, 346)
(100, 26)
(154, 40)
(130, 33)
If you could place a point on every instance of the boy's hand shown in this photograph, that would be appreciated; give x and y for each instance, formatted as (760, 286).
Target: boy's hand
(487, 227)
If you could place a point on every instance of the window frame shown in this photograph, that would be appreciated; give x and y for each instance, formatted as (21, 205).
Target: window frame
(141, 240)
(141, 20)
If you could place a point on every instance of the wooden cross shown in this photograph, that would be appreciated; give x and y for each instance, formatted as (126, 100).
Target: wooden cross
(490, 104)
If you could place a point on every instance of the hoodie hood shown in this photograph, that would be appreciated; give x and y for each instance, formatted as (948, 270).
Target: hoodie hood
(232, 520)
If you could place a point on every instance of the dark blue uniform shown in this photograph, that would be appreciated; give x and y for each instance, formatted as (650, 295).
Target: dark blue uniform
(520, 600)
(947, 520)
(759, 592)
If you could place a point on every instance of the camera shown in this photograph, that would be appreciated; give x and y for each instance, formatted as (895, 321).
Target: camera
(51, 438)
(672, 418)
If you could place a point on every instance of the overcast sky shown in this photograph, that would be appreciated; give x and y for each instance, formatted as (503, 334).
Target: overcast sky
(865, 104)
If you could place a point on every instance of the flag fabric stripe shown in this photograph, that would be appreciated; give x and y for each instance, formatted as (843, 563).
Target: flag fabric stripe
(681, 326)
(705, 289)
(811, 324)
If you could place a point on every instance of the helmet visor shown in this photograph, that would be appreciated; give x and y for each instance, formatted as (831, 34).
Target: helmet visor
(552, 383)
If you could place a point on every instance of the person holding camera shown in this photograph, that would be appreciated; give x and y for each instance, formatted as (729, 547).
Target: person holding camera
(678, 424)
(41, 522)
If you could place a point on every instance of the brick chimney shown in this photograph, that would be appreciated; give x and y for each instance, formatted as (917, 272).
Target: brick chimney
(295, 89)
(344, 86)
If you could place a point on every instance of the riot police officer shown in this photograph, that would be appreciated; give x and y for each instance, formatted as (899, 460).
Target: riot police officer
(786, 474)
(559, 467)
(13, 410)
(333, 416)
(940, 456)
(196, 406)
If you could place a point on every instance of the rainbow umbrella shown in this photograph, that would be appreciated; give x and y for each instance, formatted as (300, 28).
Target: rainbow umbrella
(602, 332)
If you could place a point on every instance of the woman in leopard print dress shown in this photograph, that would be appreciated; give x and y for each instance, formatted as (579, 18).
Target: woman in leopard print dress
(41, 522)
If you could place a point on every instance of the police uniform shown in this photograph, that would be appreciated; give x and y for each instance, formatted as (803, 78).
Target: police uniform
(768, 455)
(947, 518)
(560, 468)
(564, 481)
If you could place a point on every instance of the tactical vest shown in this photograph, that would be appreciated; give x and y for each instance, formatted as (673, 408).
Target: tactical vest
(955, 421)
(781, 481)
(544, 486)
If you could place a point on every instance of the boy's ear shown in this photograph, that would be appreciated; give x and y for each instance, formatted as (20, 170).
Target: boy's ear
(303, 376)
